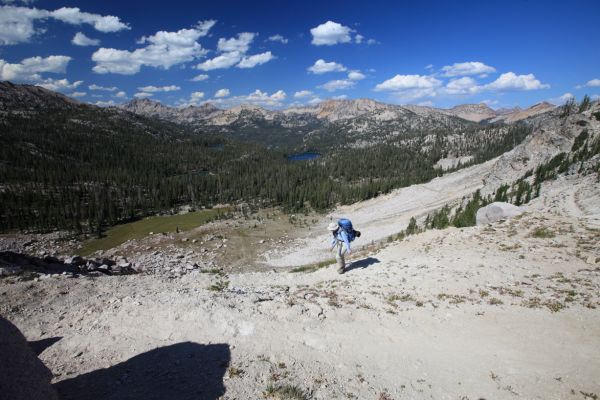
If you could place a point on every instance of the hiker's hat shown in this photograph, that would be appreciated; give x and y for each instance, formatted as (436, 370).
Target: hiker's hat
(332, 226)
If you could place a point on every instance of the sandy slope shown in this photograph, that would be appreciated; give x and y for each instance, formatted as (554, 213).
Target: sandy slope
(384, 215)
(414, 320)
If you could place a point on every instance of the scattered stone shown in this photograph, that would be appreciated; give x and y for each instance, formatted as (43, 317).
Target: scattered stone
(104, 268)
(10, 270)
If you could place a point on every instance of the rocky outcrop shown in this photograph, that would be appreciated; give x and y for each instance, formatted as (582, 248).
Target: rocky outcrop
(22, 375)
(12, 264)
(497, 212)
(552, 135)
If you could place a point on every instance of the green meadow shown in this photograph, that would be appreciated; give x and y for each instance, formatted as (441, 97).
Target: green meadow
(135, 230)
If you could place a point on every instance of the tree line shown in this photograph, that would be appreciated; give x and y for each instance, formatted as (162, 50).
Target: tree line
(86, 169)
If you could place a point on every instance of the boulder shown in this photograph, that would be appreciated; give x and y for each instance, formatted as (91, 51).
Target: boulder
(75, 260)
(106, 261)
(24, 376)
(497, 212)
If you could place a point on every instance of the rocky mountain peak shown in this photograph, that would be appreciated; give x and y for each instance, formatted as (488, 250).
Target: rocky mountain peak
(472, 112)
(333, 110)
(544, 105)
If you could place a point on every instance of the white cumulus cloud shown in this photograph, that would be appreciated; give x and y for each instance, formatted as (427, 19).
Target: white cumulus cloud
(29, 69)
(277, 38)
(303, 94)
(512, 81)
(330, 33)
(240, 44)
(58, 85)
(591, 83)
(101, 103)
(73, 15)
(405, 82)
(224, 60)
(164, 50)
(195, 97)
(222, 93)
(120, 95)
(81, 40)
(233, 52)
(467, 68)
(338, 84)
(17, 23)
(142, 95)
(560, 100)
(257, 98)
(356, 76)
(198, 78)
(321, 67)
(464, 85)
(17, 1)
(254, 60)
(77, 94)
(279, 95)
(406, 88)
(103, 88)
(156, 89)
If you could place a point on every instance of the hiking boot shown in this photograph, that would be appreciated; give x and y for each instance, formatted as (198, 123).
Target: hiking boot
(340, 271)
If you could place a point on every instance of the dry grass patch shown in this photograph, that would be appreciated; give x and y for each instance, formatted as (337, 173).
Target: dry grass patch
(494, 301)
(285, 392)
(542, 233)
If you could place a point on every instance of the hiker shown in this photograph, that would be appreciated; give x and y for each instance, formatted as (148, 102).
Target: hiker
(343, 233)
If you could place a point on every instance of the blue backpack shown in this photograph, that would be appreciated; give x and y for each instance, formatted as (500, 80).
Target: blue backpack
(346, 225)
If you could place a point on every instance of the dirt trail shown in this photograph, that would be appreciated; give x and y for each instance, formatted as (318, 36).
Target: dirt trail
(384, 215)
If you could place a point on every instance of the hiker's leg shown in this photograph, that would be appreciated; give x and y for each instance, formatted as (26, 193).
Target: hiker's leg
(340, 257)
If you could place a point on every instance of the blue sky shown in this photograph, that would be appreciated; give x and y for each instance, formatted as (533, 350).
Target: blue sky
(276, 54)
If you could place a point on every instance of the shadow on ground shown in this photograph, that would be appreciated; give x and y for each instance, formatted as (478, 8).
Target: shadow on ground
(364, 263)
(179, 372)
(38, 346)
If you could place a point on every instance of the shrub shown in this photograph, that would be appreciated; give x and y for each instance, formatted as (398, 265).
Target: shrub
(585, 104)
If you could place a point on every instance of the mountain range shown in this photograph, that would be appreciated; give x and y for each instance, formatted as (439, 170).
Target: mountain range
(333, 123)
(329, 111)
